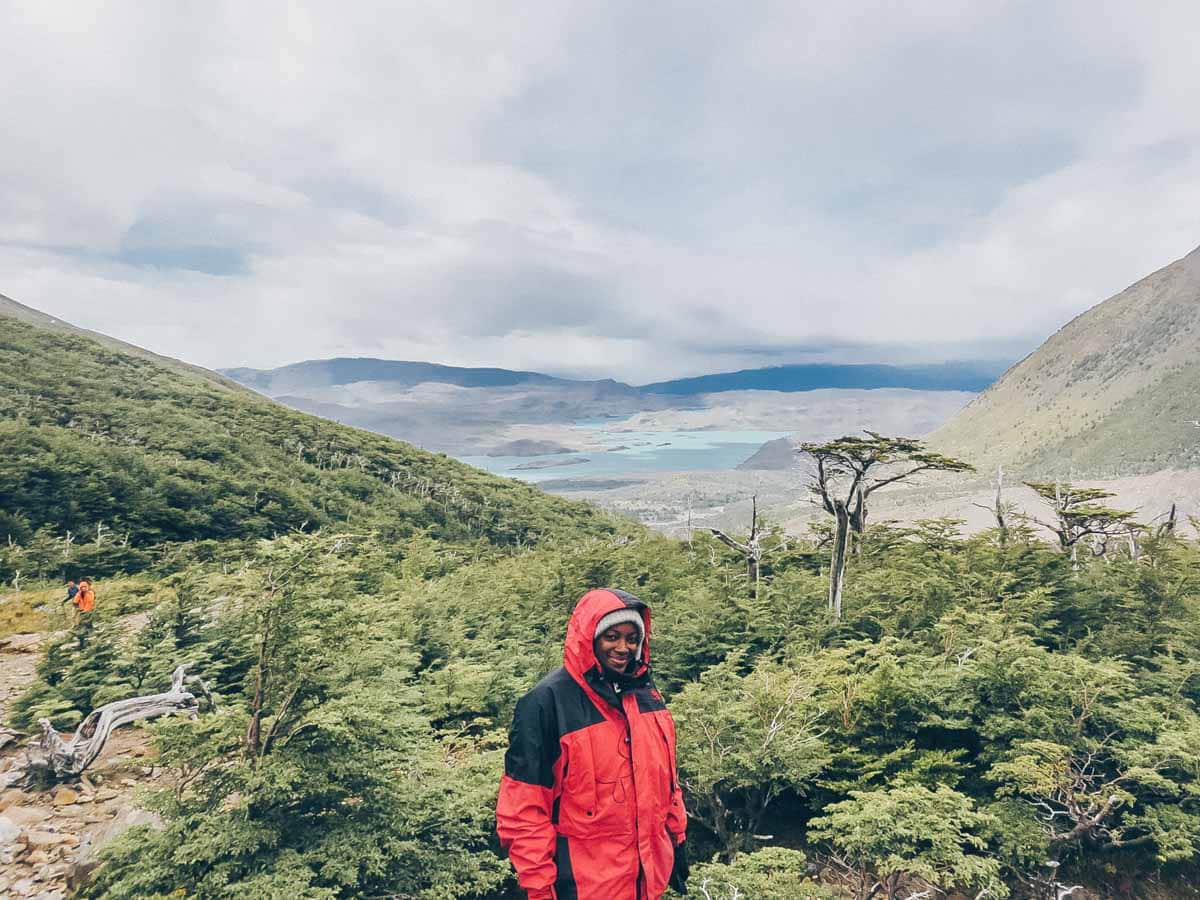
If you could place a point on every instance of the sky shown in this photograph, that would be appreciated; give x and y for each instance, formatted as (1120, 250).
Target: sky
(603, 189)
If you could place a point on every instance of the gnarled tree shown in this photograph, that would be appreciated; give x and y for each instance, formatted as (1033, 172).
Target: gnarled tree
(848, 471)
(53, 756)
(1078, 514)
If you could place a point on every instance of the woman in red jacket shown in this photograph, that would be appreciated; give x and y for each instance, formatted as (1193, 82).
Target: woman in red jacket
(590, 806)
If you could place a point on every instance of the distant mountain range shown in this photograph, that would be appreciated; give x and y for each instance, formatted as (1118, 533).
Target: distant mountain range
(302, 378)
(1116, 391)
(323, 373)
(957, 376)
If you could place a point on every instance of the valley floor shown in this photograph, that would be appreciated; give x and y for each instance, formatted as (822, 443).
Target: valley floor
(723, 499)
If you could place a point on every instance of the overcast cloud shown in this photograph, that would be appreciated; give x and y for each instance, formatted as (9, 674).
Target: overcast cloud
(627, 189)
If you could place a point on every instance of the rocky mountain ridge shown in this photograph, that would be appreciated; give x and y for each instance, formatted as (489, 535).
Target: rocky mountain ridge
(1114, 392)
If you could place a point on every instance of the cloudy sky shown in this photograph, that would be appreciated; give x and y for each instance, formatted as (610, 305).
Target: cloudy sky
(635, 189)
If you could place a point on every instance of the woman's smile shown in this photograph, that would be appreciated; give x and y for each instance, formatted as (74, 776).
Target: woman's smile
(617, 645)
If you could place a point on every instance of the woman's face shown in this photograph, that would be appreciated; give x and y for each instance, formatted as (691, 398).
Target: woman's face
(616, 646)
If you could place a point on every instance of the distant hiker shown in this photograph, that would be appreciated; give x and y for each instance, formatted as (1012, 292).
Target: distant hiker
(72, 590)
(85, 603)
(590, 805)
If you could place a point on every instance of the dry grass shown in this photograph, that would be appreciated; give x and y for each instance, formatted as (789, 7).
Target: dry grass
(23, 612)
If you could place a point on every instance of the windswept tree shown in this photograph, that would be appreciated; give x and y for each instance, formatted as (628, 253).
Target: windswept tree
(1078, 514)
(849, 470)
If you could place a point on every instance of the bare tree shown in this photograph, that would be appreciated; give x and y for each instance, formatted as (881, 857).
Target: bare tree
(1000, 510)
(59, 758)
(848, 471)
(752, 551)
(1167, 527)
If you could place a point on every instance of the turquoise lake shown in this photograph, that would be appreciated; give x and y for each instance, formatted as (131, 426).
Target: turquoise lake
(634, 453)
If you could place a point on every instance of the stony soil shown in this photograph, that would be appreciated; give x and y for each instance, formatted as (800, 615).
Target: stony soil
(49, 838)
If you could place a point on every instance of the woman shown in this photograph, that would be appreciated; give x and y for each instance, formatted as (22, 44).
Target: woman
(590, 806)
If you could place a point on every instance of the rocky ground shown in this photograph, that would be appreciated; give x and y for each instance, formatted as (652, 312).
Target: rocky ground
(50, 838)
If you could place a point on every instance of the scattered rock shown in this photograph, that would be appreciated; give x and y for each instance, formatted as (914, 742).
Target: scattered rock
(22, 643)
(86, 859)
(9, 830)
(23, 888)
(105, 794)
(27, 816)
(37, 857)
(8, 736)
(81, 870)
(64, 796)
(9, 797)
(37, 839)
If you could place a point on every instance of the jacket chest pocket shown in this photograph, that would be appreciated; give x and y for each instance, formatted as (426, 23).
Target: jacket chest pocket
(577, 802)
(598, 796)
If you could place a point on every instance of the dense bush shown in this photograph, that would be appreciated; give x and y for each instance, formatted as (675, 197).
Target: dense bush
(980, 711)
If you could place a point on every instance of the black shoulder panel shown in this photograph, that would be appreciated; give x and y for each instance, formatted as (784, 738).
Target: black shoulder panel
(649, 699)
(533, 740)
(575, 708)
(556, 706)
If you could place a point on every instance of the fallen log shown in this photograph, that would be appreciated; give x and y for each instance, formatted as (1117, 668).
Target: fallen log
(53, 756)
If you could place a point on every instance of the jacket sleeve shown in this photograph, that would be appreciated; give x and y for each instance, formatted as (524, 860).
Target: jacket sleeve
(527, 792)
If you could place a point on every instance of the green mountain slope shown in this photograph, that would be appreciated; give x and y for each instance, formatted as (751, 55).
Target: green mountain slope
(12, 310)
(1114, 392)
(96, 434)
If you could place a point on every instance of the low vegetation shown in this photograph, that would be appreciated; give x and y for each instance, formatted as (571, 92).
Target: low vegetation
(988, 716)
(981, 710)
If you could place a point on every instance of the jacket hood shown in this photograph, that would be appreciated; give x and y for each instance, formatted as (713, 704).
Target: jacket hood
(578, 655)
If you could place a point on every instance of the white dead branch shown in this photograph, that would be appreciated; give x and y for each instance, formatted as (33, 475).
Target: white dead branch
(61, 758)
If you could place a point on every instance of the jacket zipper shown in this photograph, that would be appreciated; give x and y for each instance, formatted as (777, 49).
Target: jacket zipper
(639, 888)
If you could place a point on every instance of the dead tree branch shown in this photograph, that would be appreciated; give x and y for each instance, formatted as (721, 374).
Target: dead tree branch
(53, 755)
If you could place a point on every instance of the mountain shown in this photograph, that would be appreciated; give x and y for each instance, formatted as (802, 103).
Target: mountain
(474, 412)
(18, 312)
(778, 455)
(303, 377)
(1116, 391)
(958, 376)
(99, 436)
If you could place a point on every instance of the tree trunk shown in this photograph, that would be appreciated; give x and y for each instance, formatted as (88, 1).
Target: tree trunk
(837, 565)
(857, 518)
(63, 759)
(1001, 524)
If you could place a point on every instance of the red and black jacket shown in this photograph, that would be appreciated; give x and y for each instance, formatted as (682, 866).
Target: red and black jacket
(590, 805)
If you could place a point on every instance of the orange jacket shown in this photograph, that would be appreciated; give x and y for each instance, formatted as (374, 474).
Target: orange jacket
(589, 804)
(85, 600)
